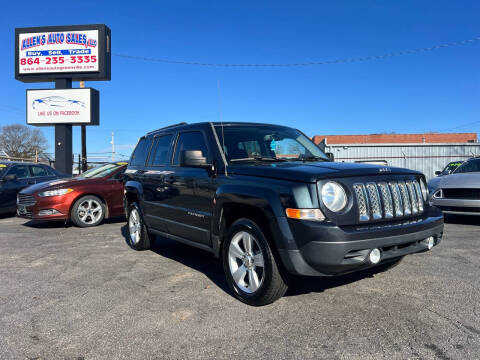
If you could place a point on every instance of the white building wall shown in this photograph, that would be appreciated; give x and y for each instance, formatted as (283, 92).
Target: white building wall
(426, 158)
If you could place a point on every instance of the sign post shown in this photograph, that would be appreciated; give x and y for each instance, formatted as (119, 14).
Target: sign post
(63, 54)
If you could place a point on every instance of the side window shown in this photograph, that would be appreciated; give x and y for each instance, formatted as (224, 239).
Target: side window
(469, 166)
(38, 171)
(119, 174)
(161, 150)
(21, 171)
(141, 152)
(49, 171)
(192, 140)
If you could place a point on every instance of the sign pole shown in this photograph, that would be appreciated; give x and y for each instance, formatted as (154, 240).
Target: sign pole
(84, 140)
(63, 137)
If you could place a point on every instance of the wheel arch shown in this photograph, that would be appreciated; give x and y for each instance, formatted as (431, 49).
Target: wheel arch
(259, 205)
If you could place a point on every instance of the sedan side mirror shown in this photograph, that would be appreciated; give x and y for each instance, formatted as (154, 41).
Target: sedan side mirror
(438, 172)
(330, 156)
(193, 158)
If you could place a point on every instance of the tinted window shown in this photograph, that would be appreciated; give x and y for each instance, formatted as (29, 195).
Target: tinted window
(38, 171)
(20, 170)
(140, 154)
(160, 151)
(190, 141)
(469, 166)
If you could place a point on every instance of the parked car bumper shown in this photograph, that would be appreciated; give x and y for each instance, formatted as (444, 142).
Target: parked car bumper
(457, 206)
(48, 208)
(326, 249)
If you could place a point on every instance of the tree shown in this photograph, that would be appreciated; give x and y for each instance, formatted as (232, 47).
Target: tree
(21, 141)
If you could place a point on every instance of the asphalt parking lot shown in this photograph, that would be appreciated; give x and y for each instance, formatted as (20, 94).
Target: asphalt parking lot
(71, 293)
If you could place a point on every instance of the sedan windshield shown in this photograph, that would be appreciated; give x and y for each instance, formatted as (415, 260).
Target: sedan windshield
(100, 171)
(267, 143)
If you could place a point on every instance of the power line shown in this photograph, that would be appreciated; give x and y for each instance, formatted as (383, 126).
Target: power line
(326, 62)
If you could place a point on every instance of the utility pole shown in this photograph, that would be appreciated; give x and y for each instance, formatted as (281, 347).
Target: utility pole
(113, 146)
(84, 141)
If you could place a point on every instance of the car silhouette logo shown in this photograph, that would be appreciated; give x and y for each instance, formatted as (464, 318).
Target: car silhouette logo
(56, 101)
(384, 170)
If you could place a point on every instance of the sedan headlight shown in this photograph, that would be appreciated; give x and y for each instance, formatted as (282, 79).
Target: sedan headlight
(334, 196)
(423, 186)
(57, 192)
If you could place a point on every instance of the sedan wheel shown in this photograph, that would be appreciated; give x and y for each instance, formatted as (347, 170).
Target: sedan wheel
(90, 211)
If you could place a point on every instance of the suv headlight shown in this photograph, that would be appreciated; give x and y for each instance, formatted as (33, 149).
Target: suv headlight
(57, 192)
(423, 186)
(334, 196)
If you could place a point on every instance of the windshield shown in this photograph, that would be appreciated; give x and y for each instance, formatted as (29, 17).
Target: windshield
(451, 167)
(267, 142)
(100, 171)
(469, 166)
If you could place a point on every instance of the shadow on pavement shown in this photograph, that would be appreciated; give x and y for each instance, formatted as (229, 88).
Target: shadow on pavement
(462, 219)
(192, 257)
(206, 263)
(52, 224)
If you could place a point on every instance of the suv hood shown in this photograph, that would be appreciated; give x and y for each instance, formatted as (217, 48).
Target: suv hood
(313, 171)
(59, 183)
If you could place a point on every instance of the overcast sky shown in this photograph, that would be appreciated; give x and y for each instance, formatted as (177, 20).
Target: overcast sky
(436, 90)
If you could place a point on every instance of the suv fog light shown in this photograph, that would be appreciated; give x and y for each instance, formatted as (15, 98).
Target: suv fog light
(48, 212)
(374, 256)
(429, 242)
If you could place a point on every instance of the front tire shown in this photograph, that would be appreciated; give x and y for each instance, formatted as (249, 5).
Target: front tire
(251, 270)
(88, 211)
(137, 232)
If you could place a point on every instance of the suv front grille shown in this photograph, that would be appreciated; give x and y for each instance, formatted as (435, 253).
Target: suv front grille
(26, 200)
(384, 201)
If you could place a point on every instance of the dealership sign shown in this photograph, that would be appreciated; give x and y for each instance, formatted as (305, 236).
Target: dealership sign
(78, 52)
(63, 106)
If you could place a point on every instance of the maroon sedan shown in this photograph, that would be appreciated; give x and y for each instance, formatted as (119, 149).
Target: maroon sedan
(86, 200)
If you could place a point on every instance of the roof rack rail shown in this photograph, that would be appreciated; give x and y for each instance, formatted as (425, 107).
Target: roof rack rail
(168, 127)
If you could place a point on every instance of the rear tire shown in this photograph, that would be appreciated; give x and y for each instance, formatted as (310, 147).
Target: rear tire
(137, 233)
(251, 270)
(88, 211)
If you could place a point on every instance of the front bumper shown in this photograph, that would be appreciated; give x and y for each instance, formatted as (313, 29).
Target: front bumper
(37, 210)
(457, 206)
(326, 249)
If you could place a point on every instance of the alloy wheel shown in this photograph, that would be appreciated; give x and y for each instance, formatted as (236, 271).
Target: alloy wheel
(246, 262)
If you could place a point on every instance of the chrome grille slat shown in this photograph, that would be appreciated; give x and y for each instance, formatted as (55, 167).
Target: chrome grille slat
(397, 198)
(387, 199)
(413, 197)
(374, 198)
(407, 208)
(419, 196)
(363, 208)
(26, 200)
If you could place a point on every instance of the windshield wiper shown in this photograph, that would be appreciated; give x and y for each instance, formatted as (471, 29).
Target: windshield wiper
(259, 158)
(310, 158)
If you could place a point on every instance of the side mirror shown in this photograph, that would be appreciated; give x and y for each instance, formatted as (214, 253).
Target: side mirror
(193, 158)
(438, 172)
(330, 156)
(10, 177)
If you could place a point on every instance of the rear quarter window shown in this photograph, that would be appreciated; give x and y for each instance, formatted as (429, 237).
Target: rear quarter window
(140, 153)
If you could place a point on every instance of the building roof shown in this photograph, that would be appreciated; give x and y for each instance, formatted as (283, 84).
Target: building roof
(398, 138)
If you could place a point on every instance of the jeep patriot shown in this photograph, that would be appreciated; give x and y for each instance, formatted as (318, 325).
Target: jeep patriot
(270, 203)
